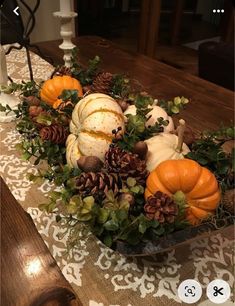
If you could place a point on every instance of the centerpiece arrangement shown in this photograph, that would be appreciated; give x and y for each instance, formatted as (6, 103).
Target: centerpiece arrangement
(127, 173)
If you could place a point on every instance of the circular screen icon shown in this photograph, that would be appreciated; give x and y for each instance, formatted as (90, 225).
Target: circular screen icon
(190, 291)
(218, 291)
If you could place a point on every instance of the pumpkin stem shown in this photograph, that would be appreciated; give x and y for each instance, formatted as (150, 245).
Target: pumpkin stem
(180, 199)
(181, 129)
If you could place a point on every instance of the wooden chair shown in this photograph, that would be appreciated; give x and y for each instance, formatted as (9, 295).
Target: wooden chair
(149, 25)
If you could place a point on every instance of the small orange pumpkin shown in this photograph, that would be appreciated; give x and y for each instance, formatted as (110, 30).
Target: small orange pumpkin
(197, 184)
(51, 89)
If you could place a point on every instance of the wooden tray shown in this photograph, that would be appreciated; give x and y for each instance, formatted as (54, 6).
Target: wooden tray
(173, 240)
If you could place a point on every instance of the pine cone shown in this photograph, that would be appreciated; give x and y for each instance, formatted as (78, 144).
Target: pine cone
(229, 201)
(60, 71)
(102, 83)
(126, 164)
(55, 133)
(161, 208)
(230, 179)
(97, 184)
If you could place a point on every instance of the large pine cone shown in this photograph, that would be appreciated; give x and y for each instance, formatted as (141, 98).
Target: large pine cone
(60, 71)
(126, 164)
(229, 201)
(55, 133)
(102, 83)
(97, 184)
(161, 207)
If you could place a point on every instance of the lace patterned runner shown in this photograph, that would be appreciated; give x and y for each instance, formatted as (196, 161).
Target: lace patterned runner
(100, 276)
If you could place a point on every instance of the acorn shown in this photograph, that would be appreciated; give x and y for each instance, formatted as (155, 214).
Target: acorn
(89, 163)
(228, 145)
(127, 196)
(32, 100)
(86, 88)
(35, 110)
(141, 149)
(123, 104)
(229, 201)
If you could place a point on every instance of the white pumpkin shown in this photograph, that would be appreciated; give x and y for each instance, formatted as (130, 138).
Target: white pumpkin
(163, 147)
(155, 113)
(93, 119)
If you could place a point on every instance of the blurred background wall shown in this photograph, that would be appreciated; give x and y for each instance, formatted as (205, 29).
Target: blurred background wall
(47, 26)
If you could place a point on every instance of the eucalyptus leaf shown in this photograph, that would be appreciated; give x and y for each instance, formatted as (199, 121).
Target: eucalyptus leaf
(107, 240)
(111, 225)
(103, 215)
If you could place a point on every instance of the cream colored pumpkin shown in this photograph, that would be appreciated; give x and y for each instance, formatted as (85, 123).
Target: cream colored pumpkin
(163, 147)
(155, 113)
(93, 119)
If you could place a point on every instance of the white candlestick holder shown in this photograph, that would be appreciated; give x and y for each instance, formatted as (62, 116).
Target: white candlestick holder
(6, 99)
(66, 16)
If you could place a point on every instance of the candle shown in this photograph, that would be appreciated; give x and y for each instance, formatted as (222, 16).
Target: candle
(65, 6)
(3, 67)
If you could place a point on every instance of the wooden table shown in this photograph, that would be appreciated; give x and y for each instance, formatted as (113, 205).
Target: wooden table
(209, 105)
(29, 274)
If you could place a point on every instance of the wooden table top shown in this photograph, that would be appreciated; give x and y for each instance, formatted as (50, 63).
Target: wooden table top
(209, 104)
(29, 274)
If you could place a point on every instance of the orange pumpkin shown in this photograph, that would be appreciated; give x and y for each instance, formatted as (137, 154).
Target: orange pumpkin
(51, 89)
(197, 184)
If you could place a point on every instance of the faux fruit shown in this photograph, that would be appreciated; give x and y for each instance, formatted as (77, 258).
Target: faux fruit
(166, 146)
(52, 89)
(93, 120)
(155, 113)
(189, 183)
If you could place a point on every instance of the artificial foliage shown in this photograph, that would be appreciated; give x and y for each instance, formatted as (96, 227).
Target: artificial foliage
(108, 198)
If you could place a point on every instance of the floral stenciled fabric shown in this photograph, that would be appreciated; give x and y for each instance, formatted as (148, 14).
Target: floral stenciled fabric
(100, 276)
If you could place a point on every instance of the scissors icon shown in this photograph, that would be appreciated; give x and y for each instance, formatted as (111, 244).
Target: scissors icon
(217, 291)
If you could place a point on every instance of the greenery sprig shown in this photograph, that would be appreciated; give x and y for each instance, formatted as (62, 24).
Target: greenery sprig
(208, 152)
(175, 106)
(136, 129)
(84, 75)
(26, 89)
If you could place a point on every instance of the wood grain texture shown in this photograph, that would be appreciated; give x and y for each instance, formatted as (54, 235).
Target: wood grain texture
(209, 104)
(29, 274)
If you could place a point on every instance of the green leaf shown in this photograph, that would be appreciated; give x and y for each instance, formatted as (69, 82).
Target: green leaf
(26, 156)
(121, 215)
(42, 207)
(84, 217)
(133, 237)
(142, 227)
(159, 231)
(107, 240)
(2, 108)
(135, 189)
(175, 109)
(131, 182)
(111, 225)
(154, 223)
(103, 215)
